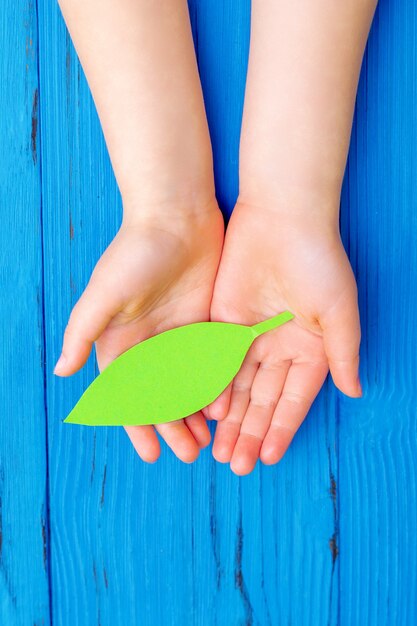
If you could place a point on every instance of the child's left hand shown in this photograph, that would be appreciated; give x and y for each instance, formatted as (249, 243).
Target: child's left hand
(271, 263)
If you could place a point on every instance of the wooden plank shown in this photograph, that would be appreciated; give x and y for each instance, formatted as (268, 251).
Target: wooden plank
(24, 597)
(221, 37)
(122, 533)
(378, 443)
(276, 531)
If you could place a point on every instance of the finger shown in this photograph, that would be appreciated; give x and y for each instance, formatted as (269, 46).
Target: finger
(206, 413)
(266, 390)
(227, 430)
(88, 319)
(197, 425)
(341, 337)
(302, 384)
(180, 439)
(145, 442)
(218, 409)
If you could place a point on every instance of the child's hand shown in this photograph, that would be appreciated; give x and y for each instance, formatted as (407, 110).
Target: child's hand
(271, 263)
(158, 273)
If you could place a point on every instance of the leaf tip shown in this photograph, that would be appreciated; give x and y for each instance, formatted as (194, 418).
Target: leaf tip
(72, 419)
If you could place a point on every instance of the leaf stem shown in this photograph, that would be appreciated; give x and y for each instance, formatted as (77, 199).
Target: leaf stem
(273, 322)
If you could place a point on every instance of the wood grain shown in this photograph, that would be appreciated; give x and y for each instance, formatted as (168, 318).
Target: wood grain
(24, 594)
(377, 435)
(326, 537)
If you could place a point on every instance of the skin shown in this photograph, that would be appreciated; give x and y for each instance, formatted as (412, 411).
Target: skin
(159, 271)
(304, 270)
(150, 279)
(283, 248)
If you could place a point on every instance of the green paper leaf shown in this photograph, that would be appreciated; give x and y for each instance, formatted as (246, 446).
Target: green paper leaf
(169, 376)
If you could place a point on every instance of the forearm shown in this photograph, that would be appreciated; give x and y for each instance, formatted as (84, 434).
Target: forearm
(304, 64)
(140, 64)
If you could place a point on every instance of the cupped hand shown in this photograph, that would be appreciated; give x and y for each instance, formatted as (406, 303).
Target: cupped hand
(158, 273)
(270, 263)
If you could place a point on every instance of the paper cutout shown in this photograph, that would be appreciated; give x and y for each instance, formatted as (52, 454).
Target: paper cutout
(169, 376)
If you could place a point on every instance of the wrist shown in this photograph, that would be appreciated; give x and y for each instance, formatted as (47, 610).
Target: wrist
(177, 195)
(300, 183)
(184, 212)
(293, 203)
(172, 168)
(291, 215)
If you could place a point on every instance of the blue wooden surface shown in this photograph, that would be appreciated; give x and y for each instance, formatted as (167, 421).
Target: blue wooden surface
(89, 534)
(24, 596)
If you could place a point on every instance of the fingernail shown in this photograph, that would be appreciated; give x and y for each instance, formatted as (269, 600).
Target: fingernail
(60, 364)
(359, 386)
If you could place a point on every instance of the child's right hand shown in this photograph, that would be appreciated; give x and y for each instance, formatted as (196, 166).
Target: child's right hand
(158, 273)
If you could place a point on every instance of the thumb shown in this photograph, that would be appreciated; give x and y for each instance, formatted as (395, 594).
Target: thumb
(87, 321)
(341, 336)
